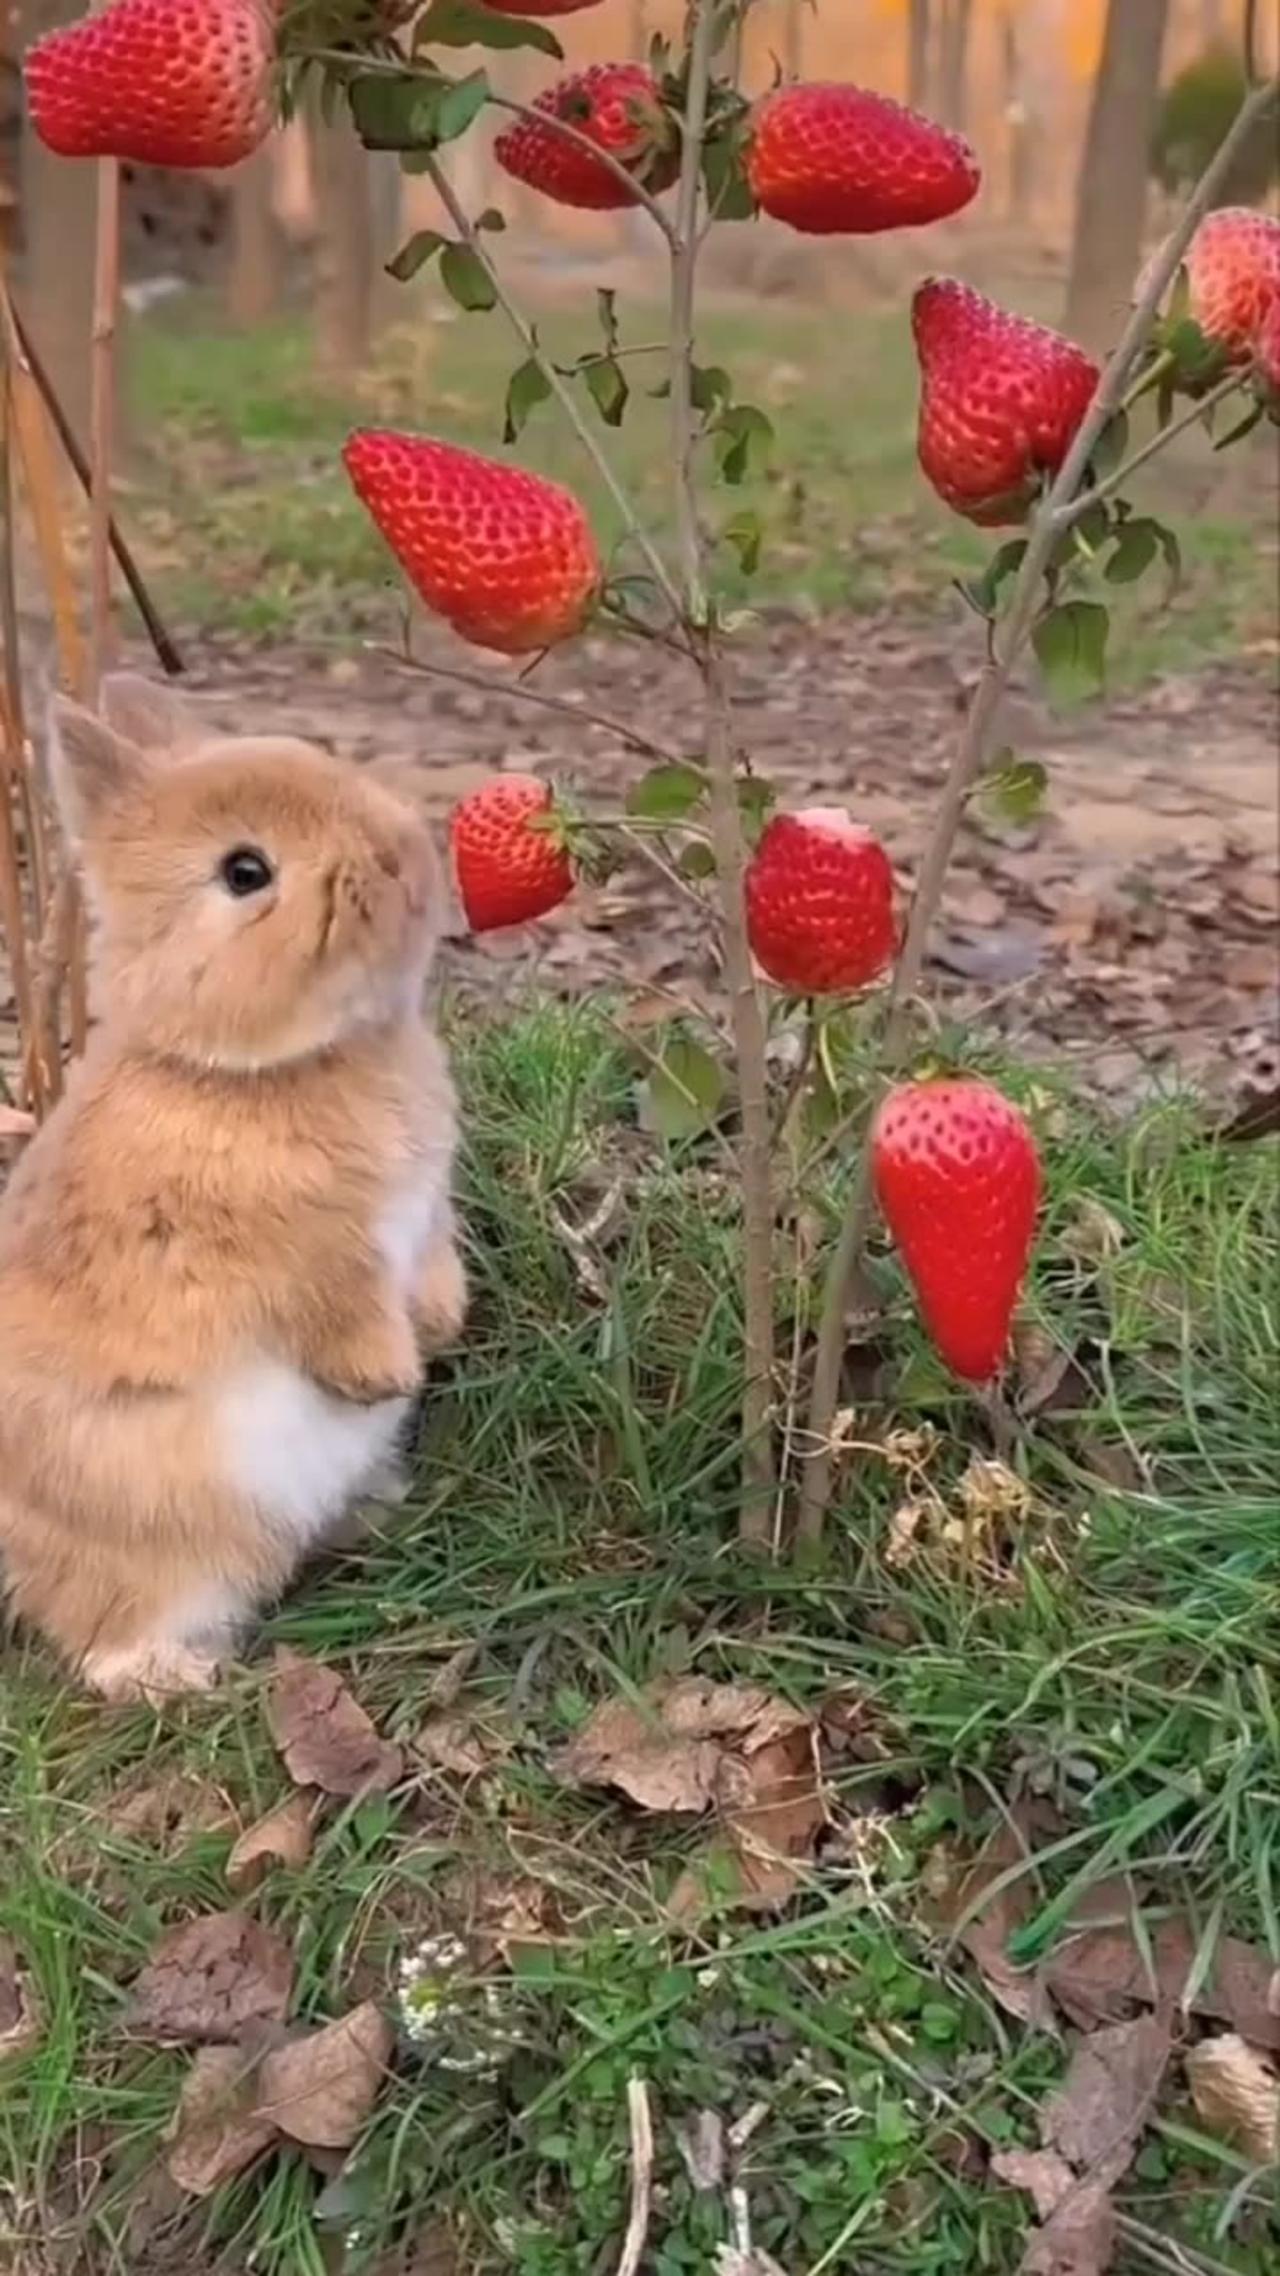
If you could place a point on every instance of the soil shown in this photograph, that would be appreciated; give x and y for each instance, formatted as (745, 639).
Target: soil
(1131, 929)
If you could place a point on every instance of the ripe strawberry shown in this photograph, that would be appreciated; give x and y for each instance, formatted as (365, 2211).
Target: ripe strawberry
(508, 872)
(819, 894)
(827, 158)
(1233, 274)
(163, 82)
(507, 558)
(615, 105)
(958, 1179)
(1000, 400)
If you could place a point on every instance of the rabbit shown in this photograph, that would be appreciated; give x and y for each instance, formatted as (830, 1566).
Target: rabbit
(227, 1255)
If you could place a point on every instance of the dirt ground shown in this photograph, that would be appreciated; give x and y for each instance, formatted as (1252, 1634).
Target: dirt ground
(1132, 928)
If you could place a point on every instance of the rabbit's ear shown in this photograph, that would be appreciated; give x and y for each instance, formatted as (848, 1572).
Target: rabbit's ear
(153, 717)
(92, 766)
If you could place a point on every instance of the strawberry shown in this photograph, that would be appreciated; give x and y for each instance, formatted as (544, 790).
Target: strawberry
(1233, 276)
(819, 894)
(615, 105)
(507, 558)
(958, 1178)
(508, 872)
(827, 158)
(1000, 400)
(163, 82)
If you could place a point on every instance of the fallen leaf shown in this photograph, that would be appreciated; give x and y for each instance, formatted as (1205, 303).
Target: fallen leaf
(217, 2128)
(984, 1924)
(449, 1742)
(323, 1734)
(169, 1811)
(1098, 1974)
(665, 1748)
(772, 1809)
(212, 1979)
(320, 2089)
(1079, 2239)
(1237, 2095)
(19, 2023)
(445, 1687)
(282, 1837)
(731, 2260)
(1098, 2112)
(701, 2145)
(1044, 2175)
(432, 2251)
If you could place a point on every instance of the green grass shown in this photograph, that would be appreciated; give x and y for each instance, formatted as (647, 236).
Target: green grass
(255, 527)
(571, 1519)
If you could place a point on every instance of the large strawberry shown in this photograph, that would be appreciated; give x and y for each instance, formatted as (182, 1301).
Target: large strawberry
(1000, 400)
(617, 106)
(508, 558)
(508, 870)
(958, 1178)
(829, 158)
(1233, 275)
(162, 82)
(819, 894)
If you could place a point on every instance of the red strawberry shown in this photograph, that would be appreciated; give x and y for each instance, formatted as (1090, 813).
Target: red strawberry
(508, 872)
(1233, 272)
(819, 896)
(1000, 400)
(615, 105)
(958, 1179)
(827, 158)
(508, 558)
(164, 82)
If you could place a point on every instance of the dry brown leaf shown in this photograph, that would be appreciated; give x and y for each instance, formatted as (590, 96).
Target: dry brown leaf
(324, 1734)
(450, 1742)
(1237, 2094)
(320, 2089)
(1079, 2239)
(282, 1837)
(985, 1935)
(212, 1979)
(702, 2147)
(445, 1687)
(19, 2022)
(169, 1810)
(1044, 2175)
(665, 1749)
(772, 1809)
(432, 2251)
(1098, 2112)
(217, 2128)
(1099, 1974)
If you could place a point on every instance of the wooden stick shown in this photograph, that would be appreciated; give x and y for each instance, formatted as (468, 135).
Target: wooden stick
(13, 905)
(641, 2177)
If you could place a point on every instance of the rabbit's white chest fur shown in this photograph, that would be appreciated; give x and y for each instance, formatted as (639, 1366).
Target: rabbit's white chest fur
(299, 1452)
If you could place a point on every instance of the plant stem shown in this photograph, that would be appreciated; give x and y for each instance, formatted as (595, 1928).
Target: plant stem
(524, 331)
(521, 691)
(1059, 510)
(1229, 385)
(756, 1510)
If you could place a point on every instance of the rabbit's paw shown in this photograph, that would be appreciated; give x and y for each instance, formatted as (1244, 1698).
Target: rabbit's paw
(440, 1299)
(152, 1671)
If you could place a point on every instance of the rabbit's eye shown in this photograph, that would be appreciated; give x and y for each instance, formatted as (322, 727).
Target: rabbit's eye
(246, 870)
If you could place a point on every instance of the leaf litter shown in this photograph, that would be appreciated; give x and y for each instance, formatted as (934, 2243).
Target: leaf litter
(212, 1979)
(1090, 2129)
(323, 1733)
(1236, 2092)
(283, 1837)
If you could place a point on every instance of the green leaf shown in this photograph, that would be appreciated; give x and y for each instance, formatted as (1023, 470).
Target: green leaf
(682, 1094)
(1242, 427)
(1167, 540)
(1195, 356)
(1014, 789)
(744, 438)
(415, 113)
(757, 797)
(1111, 445)
(667, 793)
(464, 23)
(421, 248)
(984, 591)
(1136, 549)
(745, 533)
(460, 104)
(697, 861)
(466, 279)
(724, 175)
(527, 387)
(1071, 645)
(1093, 527)
(608, 389)
(492, 218)
(709, 387)
(606, 310)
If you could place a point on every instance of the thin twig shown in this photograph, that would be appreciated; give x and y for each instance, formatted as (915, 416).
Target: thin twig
(167, 654)
(641, 2125)
(380, 67)
(756, 1514)
(524, 331)
(1060, 509)
(102, 419)
(14, 782)
(1071, 513)
(524, 692)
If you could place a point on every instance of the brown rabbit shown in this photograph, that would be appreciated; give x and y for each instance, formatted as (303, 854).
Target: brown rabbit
(225, 1255)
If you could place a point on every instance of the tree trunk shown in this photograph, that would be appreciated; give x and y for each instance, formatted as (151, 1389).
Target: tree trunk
(1111, 200)
(957, 23)
(1021, 123)
(918, 30)
(638, 30)
(344, 247)
(254, 277)
(793, 39)
(57, 208)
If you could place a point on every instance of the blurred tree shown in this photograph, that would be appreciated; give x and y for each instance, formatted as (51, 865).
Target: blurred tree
(954, 28)
(57, 204)
(1194, 115)
(1111, 197)
(918, 31)
(344, 265)
(254, 274)
(638, 34)
(793, 38)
